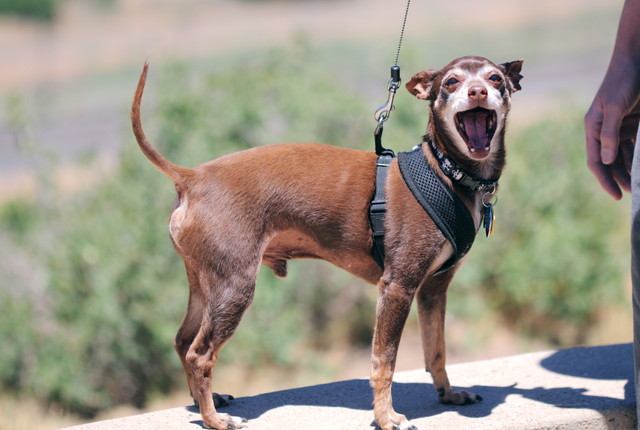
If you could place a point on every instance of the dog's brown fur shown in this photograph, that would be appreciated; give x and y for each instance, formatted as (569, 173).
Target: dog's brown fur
(275, 203)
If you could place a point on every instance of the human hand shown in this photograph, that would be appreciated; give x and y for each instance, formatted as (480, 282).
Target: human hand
(611, 126)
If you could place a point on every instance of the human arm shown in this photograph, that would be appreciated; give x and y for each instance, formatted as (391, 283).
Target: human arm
(611, 123)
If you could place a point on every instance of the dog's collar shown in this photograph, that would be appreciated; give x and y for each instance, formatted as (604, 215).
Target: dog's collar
(458, 175)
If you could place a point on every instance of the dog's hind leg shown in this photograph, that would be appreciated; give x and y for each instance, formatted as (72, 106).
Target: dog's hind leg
(225, 300)
(432, 300)
(394, 302)
(190, 325)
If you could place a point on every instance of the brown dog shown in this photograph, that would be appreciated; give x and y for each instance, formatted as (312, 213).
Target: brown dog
(275, 203)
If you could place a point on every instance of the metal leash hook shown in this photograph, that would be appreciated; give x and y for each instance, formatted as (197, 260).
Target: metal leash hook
(384, 112)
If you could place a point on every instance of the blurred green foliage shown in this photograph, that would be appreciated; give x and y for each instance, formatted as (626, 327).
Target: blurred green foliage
(93, 291)
(561, 246)
(37, 9)
(44, 10)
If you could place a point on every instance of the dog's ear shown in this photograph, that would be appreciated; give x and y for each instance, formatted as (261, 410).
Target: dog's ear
(420, 84)
(512, 70)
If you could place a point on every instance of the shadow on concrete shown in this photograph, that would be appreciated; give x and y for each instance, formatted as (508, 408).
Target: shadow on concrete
(613, 362)
(352, 394)
(419, 400)
(593, 362)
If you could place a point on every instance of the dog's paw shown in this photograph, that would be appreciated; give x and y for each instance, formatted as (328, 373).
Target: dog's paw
(396, 422)
(225, 422)
(236, 423)
(462, 397)
(405, 426)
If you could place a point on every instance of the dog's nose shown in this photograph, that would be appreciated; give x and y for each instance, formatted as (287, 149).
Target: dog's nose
(477, 93)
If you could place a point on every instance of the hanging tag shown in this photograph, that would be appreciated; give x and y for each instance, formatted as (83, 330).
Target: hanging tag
(489, 218)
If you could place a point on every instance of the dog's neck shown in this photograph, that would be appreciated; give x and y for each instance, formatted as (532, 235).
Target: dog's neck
(480, 170)
(456, 174)
(482, 180)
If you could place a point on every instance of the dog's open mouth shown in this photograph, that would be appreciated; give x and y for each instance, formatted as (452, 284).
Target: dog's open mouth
(477, 127)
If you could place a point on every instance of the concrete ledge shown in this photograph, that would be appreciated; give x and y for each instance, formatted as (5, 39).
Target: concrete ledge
(581, 388)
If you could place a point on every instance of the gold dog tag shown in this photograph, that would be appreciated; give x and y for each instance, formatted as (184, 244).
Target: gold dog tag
(493, 223)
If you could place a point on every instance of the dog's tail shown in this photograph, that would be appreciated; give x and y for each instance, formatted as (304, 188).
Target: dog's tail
(176, 173)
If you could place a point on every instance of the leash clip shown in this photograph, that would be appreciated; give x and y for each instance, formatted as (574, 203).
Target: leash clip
(384, 112)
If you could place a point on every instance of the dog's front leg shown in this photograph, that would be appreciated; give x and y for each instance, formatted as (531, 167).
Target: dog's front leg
(432, 300)
(394, 302)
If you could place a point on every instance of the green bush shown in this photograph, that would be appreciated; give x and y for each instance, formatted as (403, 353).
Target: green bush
(43, 10)
(38, 9)
(96, 327)
(560, 249)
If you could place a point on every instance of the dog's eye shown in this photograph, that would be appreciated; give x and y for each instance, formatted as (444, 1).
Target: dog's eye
(495, 78)
(451, 81)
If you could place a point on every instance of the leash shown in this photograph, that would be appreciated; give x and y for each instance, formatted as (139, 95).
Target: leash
(378, 206)
(384, 111)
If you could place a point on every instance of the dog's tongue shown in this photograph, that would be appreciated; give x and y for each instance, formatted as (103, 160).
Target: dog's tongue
(475, 126)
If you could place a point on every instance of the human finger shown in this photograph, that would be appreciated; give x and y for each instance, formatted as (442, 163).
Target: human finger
(621, 175)
(625, 154)
(605, 177)
(593, 126)
(610, 135)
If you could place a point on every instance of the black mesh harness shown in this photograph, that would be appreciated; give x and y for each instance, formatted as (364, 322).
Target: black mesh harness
(443, 206)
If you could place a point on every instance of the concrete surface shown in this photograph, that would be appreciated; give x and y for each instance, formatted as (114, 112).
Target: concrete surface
(580, 388)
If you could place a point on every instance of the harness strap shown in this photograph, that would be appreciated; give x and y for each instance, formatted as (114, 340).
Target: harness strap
(443, 206)
(377, 138)
(378, 207)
